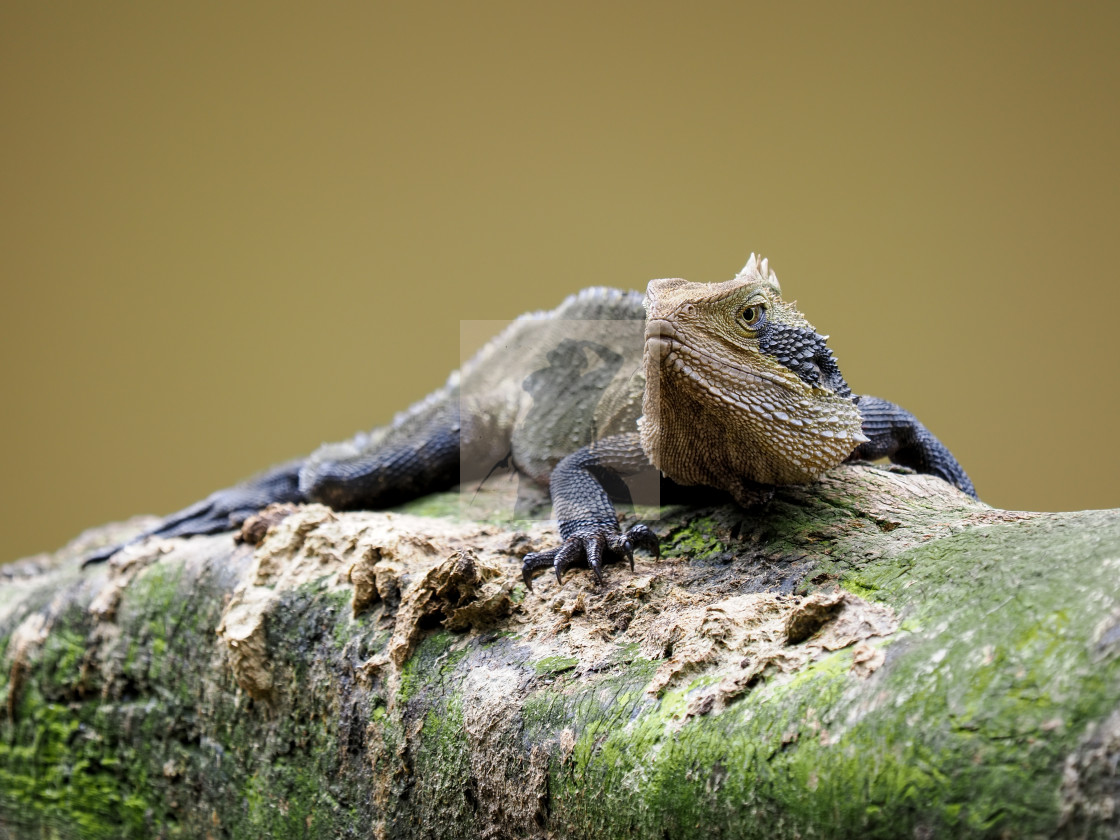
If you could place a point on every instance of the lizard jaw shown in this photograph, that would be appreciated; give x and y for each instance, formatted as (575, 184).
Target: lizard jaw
(663, 338)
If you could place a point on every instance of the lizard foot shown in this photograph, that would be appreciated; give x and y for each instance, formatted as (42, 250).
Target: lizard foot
(591, 547)
(223, 510)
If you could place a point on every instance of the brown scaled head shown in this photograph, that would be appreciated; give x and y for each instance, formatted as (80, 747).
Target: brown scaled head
(734, 322)
(740, 386)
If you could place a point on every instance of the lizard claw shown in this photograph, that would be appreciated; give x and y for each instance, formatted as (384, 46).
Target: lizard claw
(592, 547)
(534, 561)
(620, 545)
(640, 536)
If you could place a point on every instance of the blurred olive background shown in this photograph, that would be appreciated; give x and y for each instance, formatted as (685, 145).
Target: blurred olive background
(229, 232)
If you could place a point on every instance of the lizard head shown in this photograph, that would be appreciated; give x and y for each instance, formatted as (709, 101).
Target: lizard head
(739, 371)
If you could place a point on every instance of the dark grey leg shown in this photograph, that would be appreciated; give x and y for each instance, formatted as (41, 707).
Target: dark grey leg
(895, 433)
(582, 507)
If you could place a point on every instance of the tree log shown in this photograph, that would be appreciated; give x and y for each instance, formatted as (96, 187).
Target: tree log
(874, 655)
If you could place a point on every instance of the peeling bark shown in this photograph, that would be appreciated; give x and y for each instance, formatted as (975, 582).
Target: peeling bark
(875, 655)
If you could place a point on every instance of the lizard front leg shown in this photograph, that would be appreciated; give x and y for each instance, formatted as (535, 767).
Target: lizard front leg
(897, 434)
(582, 507)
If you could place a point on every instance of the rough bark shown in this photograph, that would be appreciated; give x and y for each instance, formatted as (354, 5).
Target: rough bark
(875, 655)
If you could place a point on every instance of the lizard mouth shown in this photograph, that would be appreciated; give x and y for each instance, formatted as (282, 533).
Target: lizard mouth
(663, 338)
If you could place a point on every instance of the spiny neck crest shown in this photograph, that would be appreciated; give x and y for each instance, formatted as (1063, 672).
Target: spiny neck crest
(758, 269)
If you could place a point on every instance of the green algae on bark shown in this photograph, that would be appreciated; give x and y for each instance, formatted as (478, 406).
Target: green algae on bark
(953, 672)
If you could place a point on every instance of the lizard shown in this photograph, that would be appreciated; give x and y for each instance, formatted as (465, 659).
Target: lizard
(721, 385)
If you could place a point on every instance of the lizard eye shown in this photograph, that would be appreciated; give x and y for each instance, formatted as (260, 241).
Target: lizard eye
(752, 316)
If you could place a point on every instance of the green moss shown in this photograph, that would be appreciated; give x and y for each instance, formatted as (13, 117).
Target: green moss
(437, 504)
(433, 656)
(69, 759)
(859, 587)
(289, 800)
(696, 540)
(711, 771)
(555, 664)
(605, 698)
(444, 785)
(60, 659)
(58, 770)
(161, 744)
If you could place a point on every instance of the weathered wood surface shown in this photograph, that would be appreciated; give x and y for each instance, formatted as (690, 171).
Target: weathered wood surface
(873, 656)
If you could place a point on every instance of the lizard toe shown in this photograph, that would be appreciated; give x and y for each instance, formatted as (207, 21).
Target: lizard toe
(594, 545)
(622, 546)
(573, 552)
(536, 561)
(640, 536)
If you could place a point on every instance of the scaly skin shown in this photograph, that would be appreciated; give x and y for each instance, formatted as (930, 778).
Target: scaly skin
(732, 388)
